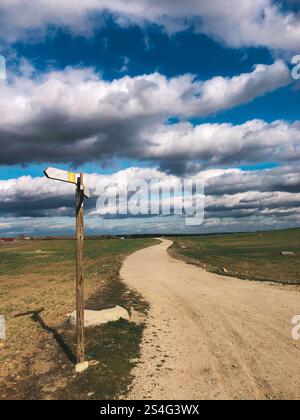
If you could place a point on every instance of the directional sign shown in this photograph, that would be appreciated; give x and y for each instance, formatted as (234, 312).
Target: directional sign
(65, 176)
(60, 175)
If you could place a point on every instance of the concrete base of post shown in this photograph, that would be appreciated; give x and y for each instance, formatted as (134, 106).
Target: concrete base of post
(81, 367)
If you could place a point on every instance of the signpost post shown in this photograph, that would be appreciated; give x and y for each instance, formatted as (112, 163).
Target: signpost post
(79, 270)
(81, 193)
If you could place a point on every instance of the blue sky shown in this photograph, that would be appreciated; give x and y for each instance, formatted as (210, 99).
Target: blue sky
(186, 92)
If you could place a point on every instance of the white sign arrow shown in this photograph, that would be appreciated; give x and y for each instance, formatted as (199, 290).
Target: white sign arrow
(60, 175)
(65, 176)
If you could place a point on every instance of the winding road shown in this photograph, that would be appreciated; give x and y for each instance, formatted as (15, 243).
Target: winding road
(209, 336)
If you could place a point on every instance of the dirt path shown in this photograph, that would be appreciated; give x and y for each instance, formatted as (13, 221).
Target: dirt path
(212, 337)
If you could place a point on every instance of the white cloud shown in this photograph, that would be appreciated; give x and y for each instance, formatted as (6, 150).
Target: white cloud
(221, 93)
(75, 116)
(183, 147)
(236, 23)
(267, 202)
(255, 188)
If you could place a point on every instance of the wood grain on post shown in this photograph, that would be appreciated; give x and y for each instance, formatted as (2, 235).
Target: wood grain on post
(79, 270)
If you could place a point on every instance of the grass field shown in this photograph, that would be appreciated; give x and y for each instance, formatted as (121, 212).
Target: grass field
(253, 256)
(37, 293)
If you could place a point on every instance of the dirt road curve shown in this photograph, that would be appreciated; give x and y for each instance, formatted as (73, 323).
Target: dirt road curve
(212, 337)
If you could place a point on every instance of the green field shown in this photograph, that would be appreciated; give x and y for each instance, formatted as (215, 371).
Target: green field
(253, 256)
(34, 256)
(37, 292)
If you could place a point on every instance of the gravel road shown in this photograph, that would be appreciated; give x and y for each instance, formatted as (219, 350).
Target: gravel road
(212, 337)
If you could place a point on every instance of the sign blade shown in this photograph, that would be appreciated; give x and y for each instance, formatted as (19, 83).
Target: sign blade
(61, 175)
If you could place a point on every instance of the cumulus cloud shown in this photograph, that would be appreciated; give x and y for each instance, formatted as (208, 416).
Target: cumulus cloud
(75, 116)
(235, 200)
(184, 148)
(228, 192)
(221, 93)
(234, 181)
(238, 23)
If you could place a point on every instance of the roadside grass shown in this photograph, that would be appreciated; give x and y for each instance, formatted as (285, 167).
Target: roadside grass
(37, 293)
(116, 347)
(252, 256)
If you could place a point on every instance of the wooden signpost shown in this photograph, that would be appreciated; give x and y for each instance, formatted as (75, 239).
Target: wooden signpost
(81, 193)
